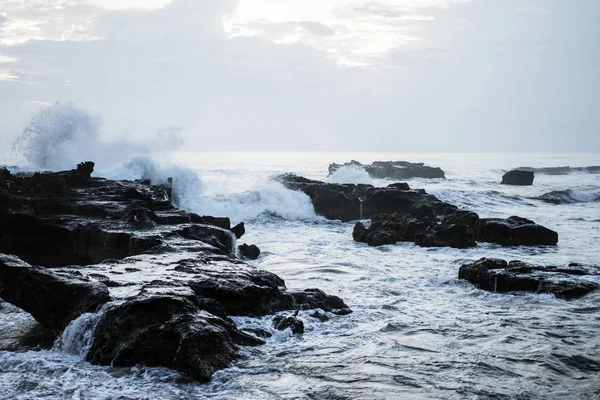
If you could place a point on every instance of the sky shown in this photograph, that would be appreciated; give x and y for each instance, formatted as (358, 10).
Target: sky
(352, 75)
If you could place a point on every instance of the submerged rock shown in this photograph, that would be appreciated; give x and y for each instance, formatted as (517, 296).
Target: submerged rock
(496, 275)
(518, 177)
(282, 322)
(393, 169)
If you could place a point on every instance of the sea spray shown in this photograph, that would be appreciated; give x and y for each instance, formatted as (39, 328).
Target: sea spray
(78, 336)
(351, 174)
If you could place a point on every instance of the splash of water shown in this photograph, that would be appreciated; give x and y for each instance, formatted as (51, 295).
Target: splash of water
(351, 174)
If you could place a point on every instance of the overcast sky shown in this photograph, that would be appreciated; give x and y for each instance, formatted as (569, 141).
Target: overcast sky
(402, 75)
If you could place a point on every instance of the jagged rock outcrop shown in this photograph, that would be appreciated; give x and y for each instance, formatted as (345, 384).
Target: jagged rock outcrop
(515, 231)
(52, 299)
(396, 170)
(518, 177)
(459, 229)
(496, 275)
(167, 330)
(168, 279)
(348, 202)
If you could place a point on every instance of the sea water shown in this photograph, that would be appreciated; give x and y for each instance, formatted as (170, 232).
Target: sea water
(417, 332)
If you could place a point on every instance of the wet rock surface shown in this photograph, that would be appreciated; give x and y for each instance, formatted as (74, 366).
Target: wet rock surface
(459, 229)
(393, 169)
(496, 275)
(348, 202)
(162, 278)
(399, 214)
(518, 177)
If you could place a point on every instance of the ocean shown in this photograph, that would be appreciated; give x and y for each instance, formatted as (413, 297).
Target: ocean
(417, 331)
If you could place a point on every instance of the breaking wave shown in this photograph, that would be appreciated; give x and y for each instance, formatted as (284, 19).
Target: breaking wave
(569, 196)
(350, 174)
(594, 169)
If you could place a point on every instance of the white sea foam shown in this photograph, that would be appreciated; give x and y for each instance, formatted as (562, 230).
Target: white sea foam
(350, 174)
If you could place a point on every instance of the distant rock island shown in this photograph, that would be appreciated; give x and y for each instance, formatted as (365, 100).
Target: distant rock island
(393, 169)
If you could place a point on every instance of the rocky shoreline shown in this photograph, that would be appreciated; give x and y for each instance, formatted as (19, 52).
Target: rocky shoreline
(156, 277)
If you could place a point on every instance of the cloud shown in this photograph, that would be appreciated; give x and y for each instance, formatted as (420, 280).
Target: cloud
(316, 28)
(469, 76)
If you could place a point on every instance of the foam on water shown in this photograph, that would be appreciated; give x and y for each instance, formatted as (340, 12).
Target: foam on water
(416, 331)
(351, 174)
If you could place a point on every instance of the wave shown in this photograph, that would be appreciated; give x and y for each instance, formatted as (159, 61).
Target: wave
(62, 135)
(569, 196)
(350, 174)
(594, 169)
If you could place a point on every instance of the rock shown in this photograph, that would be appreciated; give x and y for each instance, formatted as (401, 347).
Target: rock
(85, 169)
(463, 217)
(52, 299)
(239, 230)
(175, 273)
(282, 322)
(321, 316)
(454, 235)
(518, 177)
(170, 331)
(497, 275)
(394, 169)
(250, 252)
(515, 231)
(399, 186)
(255, 293)
(351, 202)
(359, 233)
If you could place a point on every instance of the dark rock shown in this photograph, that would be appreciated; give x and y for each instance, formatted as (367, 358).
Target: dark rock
(455, 235)
(257, 293)
(85, 169)
(518, 177)
(393, 169)
(463, 217)
(515, 231)
(359, 233)
(250, 252)
(351, 202)
(239, 230)
(53, 300)
(282, 322)
(321, 316)
(497, 275)
(175, 271)
(399, 186)
(166, 331)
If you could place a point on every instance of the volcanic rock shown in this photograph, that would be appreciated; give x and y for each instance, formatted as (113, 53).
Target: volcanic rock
(52, 299)
(351, 202)
(175, 274)
(515, 231)
(171, 331)
(497, 275)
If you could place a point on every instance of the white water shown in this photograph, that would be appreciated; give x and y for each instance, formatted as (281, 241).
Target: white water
(416, 331)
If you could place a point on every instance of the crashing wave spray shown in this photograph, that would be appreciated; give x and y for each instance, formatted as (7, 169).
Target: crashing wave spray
(78, 336)
(62, 135)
